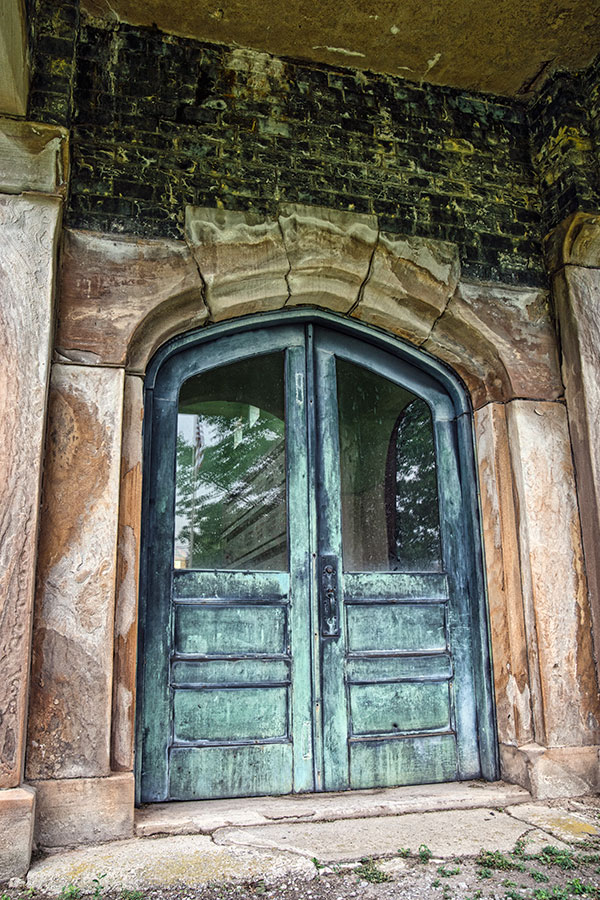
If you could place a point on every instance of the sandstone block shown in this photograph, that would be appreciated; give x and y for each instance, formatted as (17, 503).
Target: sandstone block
(113, 288)
(503, 575)
(126, 606)
(329, 253)
(29, 226)
(70, 709)
(501, 341)
(576, 292)
(552, 772)
(84, 810)
(17, 814)
(242, 259)
(566, 703)
(410, 282)
(33, 157)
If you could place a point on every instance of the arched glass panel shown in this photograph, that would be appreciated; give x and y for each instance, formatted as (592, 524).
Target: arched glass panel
(230, 507)
(389, 491)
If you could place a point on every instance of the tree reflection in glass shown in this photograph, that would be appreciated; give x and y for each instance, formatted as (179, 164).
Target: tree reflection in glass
(230, 477)
(390, 518)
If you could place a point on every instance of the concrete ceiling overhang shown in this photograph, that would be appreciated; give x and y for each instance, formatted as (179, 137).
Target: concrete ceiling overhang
(497, 46)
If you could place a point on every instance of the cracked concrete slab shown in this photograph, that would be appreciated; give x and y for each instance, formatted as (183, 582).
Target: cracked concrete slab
(206, 816)
(560, 823)
(447, 834)
(193, 860)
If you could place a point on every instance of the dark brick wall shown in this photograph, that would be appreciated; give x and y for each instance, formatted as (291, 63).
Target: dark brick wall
(158, 122)
(565, 127)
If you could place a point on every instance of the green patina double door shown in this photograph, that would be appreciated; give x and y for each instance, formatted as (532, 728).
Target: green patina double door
(314, 612)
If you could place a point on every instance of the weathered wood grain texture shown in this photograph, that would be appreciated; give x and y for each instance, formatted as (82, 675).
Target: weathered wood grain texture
(124, 294)
(410, 283)
(14, 64)
(503, 570)
(29, 227)
(557, 611)
(576, 297)
(33, 157)
(126, 598)
(70, 709)
(501, 341)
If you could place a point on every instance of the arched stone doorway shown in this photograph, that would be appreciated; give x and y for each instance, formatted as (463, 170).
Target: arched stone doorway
(314, 614)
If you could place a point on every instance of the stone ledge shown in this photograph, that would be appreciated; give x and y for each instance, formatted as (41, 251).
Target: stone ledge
(548, 772)
(73, 811)
(33, 157)
(17, 813)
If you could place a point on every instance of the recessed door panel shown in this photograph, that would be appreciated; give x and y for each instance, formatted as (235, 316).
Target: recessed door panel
(309, 572)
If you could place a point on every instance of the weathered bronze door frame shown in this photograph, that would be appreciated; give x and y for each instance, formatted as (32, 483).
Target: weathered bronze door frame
(320, 755)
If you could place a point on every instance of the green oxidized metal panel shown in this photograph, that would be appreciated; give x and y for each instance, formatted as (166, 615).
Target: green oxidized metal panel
(230, 629)
(405, 627)
(239, 771)
(230, 714)
(418, 760)
(394, 708)
(230, 671)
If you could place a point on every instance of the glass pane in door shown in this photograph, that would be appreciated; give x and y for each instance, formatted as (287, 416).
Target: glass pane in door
(389, 495)
(230, 510)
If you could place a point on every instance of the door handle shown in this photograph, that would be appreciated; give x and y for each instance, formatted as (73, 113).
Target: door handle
(329, 597)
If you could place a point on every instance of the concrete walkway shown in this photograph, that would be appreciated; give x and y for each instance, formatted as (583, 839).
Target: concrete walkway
(197, 844)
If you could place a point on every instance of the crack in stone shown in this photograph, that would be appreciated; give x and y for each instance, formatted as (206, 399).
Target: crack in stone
(203, 286)
(287, 274)
(439, 316)
(365, 281)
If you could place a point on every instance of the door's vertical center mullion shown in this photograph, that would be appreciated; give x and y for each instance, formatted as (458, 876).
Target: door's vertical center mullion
(317, 729)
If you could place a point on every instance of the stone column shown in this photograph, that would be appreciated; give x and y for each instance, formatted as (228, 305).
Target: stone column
(574, 263)
(546, 685)
(68, 757)
(31, 185)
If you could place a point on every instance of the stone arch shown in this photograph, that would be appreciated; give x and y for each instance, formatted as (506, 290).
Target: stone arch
(122, 298)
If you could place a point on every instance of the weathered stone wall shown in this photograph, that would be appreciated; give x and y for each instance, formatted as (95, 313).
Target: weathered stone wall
(159, 122)
(565, 144)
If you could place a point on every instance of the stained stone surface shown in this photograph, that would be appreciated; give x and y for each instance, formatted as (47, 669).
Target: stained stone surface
(166, 862)
(242, 259)
(71, 682)
(109, 286)
(499, 516)
(410, 283)
(329, 253)
(577, 293)
(445, 833)
(17, 811)
(564, 824)
(501, 341)
(126, 595)
(33, 157)
(557, 613)
(29, 227)
(84, 810)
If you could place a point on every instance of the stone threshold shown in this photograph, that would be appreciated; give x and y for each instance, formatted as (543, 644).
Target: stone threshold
(206, 816)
